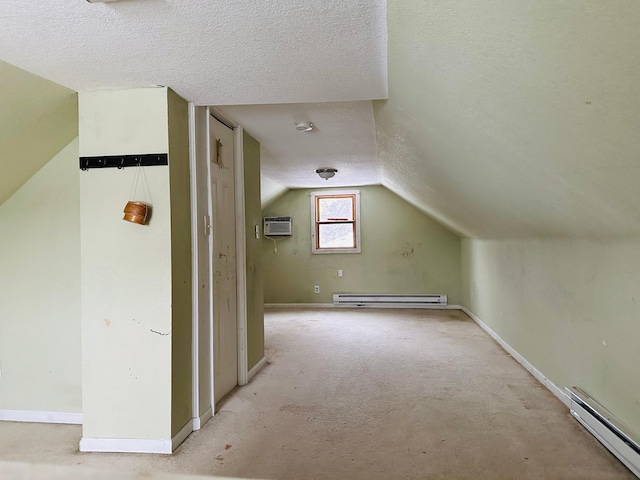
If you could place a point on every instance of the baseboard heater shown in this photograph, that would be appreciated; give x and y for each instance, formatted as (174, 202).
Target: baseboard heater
(606, 428)
(389, 299)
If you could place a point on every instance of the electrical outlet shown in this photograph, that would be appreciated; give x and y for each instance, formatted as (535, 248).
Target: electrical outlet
(339, 273)
(316, 288)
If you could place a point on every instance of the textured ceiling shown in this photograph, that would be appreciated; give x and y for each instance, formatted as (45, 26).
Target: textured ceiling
(344, 137)
(503, 118)
(515, 119)
(211, 52)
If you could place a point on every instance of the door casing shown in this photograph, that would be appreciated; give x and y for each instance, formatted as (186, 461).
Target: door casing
(199, 145)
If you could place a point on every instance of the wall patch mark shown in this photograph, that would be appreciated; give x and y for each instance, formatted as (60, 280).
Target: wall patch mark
(160, 333)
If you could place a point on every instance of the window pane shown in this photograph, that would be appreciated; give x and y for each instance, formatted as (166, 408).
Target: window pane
(339, 235)
(335, 209)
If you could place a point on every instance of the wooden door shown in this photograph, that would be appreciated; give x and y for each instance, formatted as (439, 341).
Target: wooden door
(225, 330)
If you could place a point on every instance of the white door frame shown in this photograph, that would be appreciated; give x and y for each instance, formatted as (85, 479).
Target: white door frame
(195, 279)
(211, 343)
(241, 257)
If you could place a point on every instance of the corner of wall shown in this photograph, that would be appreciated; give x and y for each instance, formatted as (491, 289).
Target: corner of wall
(253, 217)
(181, 262)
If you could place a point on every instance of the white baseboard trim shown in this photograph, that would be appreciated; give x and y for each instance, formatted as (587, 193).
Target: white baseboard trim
(125, 445)
(135, 445)
(70, 418)
(257, 367)
(198, 422)
(520, 359)
(404, 305)
(181, 436)
(299, 305)
(378, 305)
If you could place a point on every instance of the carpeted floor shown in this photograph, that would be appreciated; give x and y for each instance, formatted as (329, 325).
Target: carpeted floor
(367, 394)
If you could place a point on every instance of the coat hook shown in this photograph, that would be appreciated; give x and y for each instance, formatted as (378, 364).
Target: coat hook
(123, 161)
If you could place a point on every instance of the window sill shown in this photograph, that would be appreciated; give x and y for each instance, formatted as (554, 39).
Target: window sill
(335, 250)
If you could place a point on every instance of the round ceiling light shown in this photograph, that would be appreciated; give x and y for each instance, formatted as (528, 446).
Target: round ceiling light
(326, 173)
(304, 126)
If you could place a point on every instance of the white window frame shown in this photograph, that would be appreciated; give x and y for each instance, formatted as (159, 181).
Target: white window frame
(330, 193)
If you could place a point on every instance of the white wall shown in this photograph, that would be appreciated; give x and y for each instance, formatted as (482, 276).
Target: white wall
(570, 307)
(126, 271)
(40, 290)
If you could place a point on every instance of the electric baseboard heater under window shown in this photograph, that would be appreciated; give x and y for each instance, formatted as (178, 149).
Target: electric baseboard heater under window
(389, 299)
(603, 425)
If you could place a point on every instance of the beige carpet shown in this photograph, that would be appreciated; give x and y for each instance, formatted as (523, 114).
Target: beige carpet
(366, 394)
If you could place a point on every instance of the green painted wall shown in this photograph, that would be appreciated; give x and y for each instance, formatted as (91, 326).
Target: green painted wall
(40, 290)
(38, 118)
(181, 274)
(126, 271)
(570, 307)
(403, 251)
(253, 217)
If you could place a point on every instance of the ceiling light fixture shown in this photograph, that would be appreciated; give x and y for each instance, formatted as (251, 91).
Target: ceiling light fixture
(304, 126)
(326, 173)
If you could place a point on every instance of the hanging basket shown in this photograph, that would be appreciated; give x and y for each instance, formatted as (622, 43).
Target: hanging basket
(136, 212)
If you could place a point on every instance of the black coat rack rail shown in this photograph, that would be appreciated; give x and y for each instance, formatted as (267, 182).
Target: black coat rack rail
(124, 161)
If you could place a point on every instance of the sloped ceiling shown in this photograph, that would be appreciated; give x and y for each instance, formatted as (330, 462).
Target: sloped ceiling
(504, 118)
(28, 137)
(323, 59)
(515, 119)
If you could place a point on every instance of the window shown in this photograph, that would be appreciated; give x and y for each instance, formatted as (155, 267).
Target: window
(335, 226)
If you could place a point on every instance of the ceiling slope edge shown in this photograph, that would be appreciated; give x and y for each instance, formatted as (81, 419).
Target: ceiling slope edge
(32, 108)
(436, 215)
(270, 190)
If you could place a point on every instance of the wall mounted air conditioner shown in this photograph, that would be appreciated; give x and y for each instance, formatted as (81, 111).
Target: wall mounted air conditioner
(277, 226)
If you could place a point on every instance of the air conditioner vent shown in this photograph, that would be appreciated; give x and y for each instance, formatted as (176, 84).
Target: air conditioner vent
(277, 226)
